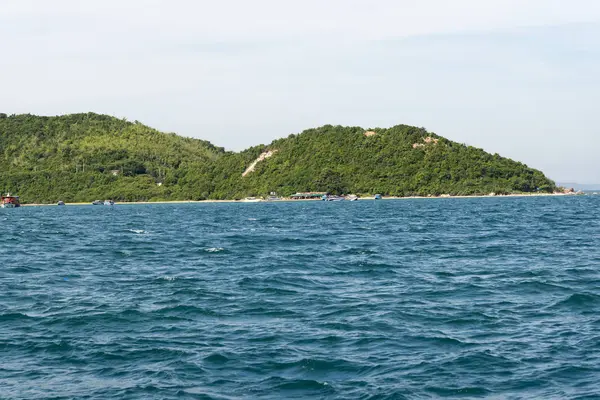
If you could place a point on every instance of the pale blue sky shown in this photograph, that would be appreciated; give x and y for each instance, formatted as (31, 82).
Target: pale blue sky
(519, 78)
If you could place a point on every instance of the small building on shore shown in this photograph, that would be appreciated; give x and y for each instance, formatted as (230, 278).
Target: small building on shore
(308, 195)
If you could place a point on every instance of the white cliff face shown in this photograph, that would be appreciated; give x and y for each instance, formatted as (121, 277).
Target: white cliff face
(260, 158)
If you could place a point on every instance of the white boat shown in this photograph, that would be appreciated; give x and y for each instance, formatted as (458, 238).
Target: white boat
(352, 197)
(333, 198)
(251, 200)
(273, 197)
(9, 201)
(109, 203)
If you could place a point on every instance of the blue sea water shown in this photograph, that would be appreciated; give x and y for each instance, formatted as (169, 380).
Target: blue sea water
(425, 298)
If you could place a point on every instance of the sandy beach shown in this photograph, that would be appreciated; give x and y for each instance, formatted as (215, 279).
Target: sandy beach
(305, 200)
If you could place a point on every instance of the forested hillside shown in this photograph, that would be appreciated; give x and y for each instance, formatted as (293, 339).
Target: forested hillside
(87, 156)
(400, 161)
(82, 157)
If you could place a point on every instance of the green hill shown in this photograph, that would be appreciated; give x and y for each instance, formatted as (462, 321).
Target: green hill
(82, 157)
(401, 161)
(87, 156)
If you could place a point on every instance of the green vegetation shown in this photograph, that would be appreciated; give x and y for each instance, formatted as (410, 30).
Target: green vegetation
(82, 157)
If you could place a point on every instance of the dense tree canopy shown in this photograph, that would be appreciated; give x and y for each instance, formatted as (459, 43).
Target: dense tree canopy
(82, 157)
(401, 161)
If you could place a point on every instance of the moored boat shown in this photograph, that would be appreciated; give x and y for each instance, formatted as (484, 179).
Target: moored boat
(97, 203)
(273, 197)
(9, 201)
(109, 203)
(377, 197)
(333, 198)
(60, 203)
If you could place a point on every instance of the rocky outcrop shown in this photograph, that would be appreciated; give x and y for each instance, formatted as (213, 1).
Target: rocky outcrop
(427, 140)
(260, 158)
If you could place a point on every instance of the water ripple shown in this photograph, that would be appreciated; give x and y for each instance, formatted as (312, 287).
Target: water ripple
(459, 298)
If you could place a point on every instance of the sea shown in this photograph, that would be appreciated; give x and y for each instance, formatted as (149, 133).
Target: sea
(394, 299)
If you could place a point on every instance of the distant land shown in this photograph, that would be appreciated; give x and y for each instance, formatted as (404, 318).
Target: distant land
(83, 157)
(581, 186)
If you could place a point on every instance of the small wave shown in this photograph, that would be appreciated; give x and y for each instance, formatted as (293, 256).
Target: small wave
(184, 310)
(104, 318)
(214, 250)
(216, 358)
(467, 320)
(124, 253)
(137, 231)
(303, 385)
(278, 291)
(579, 301)
(443, 341)
(24, 270)
(270, 312)
(13, 317)
(358, 251)
(59, 346)
(465, 391)
(326, 366)
(285, 283)
(541, 287)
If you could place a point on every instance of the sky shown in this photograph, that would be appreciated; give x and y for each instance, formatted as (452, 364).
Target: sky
(515, 77)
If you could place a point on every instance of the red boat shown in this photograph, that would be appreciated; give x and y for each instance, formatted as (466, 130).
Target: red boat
(9, 201)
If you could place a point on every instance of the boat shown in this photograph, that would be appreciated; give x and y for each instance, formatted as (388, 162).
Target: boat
(109, 203)
(9, 201)
(251, 200)
(273, 198)
(377, 197)
(97, 203)
(352, 197)
(333, 198)
(60, 203)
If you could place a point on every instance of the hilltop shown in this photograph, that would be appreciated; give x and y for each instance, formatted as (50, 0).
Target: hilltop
(82, 157)
(400, 161)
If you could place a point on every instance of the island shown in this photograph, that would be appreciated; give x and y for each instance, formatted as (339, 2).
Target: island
(88, 156)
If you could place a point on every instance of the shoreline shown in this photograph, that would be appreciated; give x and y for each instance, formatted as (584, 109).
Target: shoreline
(314, 200)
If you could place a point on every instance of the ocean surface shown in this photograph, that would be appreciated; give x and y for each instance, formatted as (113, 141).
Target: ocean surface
(393, 299)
